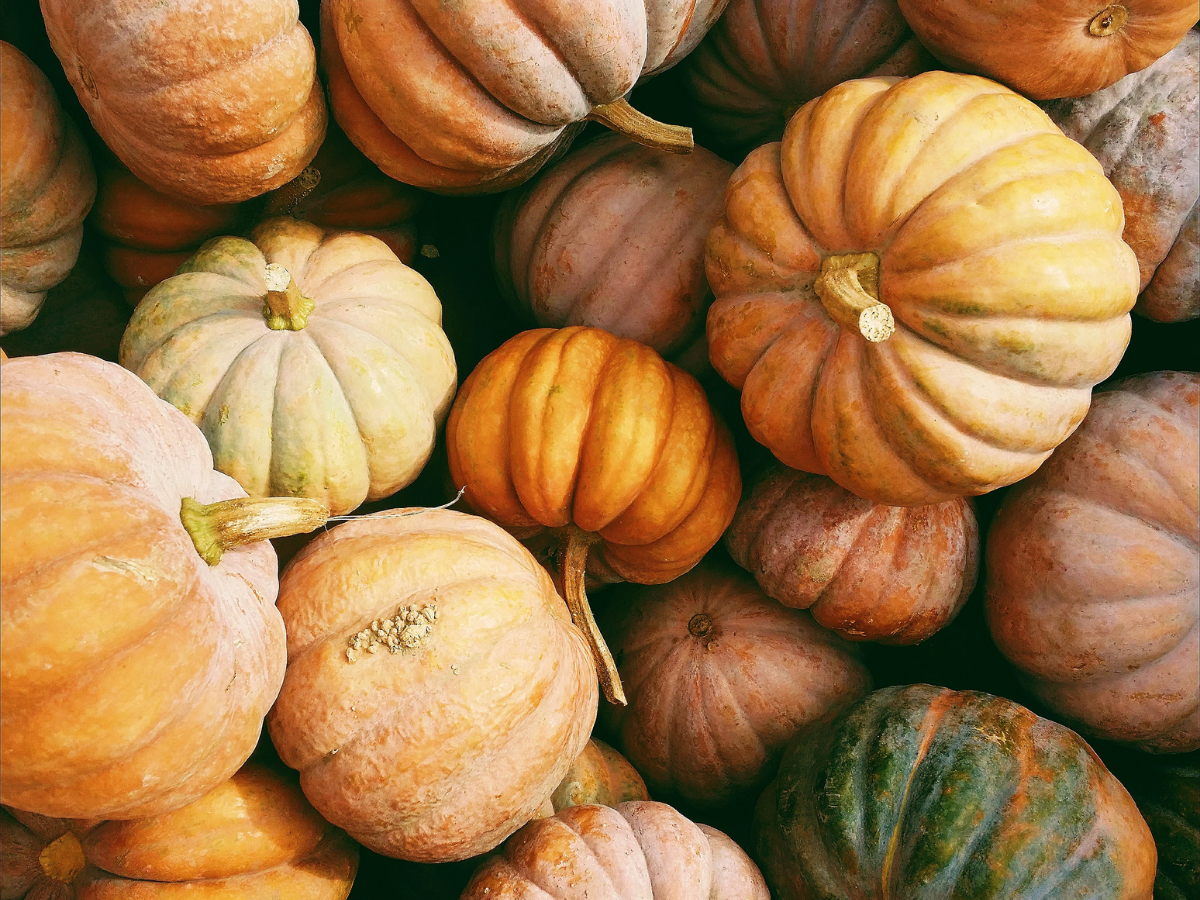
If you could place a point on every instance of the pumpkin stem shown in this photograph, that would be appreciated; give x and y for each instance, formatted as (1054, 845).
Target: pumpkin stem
(284, 308)
(623, 118)
(63, 858)
(1109, 20)
(849, 289)
(572, 567)
(283, 201)
(217, 527)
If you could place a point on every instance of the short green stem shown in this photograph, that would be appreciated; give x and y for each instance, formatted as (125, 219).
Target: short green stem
(217, 527)
(573, 569)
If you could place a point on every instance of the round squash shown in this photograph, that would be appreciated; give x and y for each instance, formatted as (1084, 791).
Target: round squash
(1093, 585)
(1145, 132)
(314, 362)
(612, 236)
(867, 571)
(1050, 48)
(47, 186)
(764, 59)
(719, 678)
(600, 775)
(436, 690)
(475, 97)
(602, 441)
(920, 791)
(206, 102)
(917, 289)
(635, 851)
(140, 647)
(252, 836)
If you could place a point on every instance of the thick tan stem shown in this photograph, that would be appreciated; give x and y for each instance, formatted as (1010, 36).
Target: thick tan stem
(623, 118)
(284, 307)
(217, 527)
(572, 563)
(849, 290)
(1109, 20)
(62, 859)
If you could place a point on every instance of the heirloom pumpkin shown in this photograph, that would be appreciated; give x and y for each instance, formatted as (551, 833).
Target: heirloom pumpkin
(869, 572)
(1093, 586)
(634, 851)
(1050, 48)
(436, 690)
(206, 102)
(252, 836)
(917, 289)
(612, 236)
(313, 362)
(476, 97)
(140, 645)
(601, 776)
(920, 792)
(1145, 131)
(600, 440)
(47, 186)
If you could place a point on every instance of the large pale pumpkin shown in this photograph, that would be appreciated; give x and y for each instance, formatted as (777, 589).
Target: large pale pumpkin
(917, 289)
(47, 186)
(207, 102)
(1093, 586)
(436, 690)
(920, 792)
(313, 361)
(136, 661)
(253, 836)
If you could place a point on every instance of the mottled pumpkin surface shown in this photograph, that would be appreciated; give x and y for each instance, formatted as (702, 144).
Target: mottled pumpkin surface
(600, 775)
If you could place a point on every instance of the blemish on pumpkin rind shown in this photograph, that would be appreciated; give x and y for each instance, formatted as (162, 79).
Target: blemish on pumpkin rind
(408, 629)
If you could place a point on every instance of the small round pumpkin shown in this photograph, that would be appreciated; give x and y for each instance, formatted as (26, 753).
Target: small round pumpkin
(314, 362)
(917, 289)
(140, 647)
(600, 775)
(634, 851)
(919, 791)
(436, 690)
(867, 571)
(252, 836)
(47, 186)
(1093, 585)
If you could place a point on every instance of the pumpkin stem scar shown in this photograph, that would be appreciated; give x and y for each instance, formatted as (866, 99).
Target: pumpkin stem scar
(63, 858)
(572, 563)
(849, 290)
(284, 307)
(217, 527)
(623, 118)
(1109, 20)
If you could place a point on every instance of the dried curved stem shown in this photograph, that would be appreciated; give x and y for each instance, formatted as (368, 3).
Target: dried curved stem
(849, 290)
(572, 562)
(623, 118)
(217, 527)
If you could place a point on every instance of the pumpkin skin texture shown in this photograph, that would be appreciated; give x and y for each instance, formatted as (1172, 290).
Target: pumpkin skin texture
(992, 241)
(1093, 589)
(343, 409)
(47, 186)
(206, 102)
(612, 236)
(1050, 48)
(440, 751)
(922, 792)
(719, 678)
(870, 572)
(253, 836)
(600, 775)
(764, 59)
(476, 97)
(135, 676)
(640, 850)
(1145, 131)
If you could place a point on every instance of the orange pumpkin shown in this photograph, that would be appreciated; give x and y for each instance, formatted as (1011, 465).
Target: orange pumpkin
(47, 186)
(599, 775)
(917, 288)
(140, 647)
(209, 103)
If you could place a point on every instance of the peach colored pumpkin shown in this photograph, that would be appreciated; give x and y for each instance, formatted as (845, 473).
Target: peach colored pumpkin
(635, 851)
(47, 186)
(869, 572)
(206, 102)
(137, 661)
(479, 693)
(917, 289)
(600, 775)
(1093, 585)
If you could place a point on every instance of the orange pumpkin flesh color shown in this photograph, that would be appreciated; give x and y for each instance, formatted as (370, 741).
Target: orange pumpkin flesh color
(600, 440)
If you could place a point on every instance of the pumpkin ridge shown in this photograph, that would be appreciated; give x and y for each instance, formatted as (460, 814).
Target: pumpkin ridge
(518, 13)
(852, 548)
(135, 350)
(569, 823)
(745, 722)
(167, 382)
(1084, 495)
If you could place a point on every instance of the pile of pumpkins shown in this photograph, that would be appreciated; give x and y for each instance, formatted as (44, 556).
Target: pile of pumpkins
(425, 400)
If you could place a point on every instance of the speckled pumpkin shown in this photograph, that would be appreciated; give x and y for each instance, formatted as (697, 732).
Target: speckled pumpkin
(314, 362)
(917, 288)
